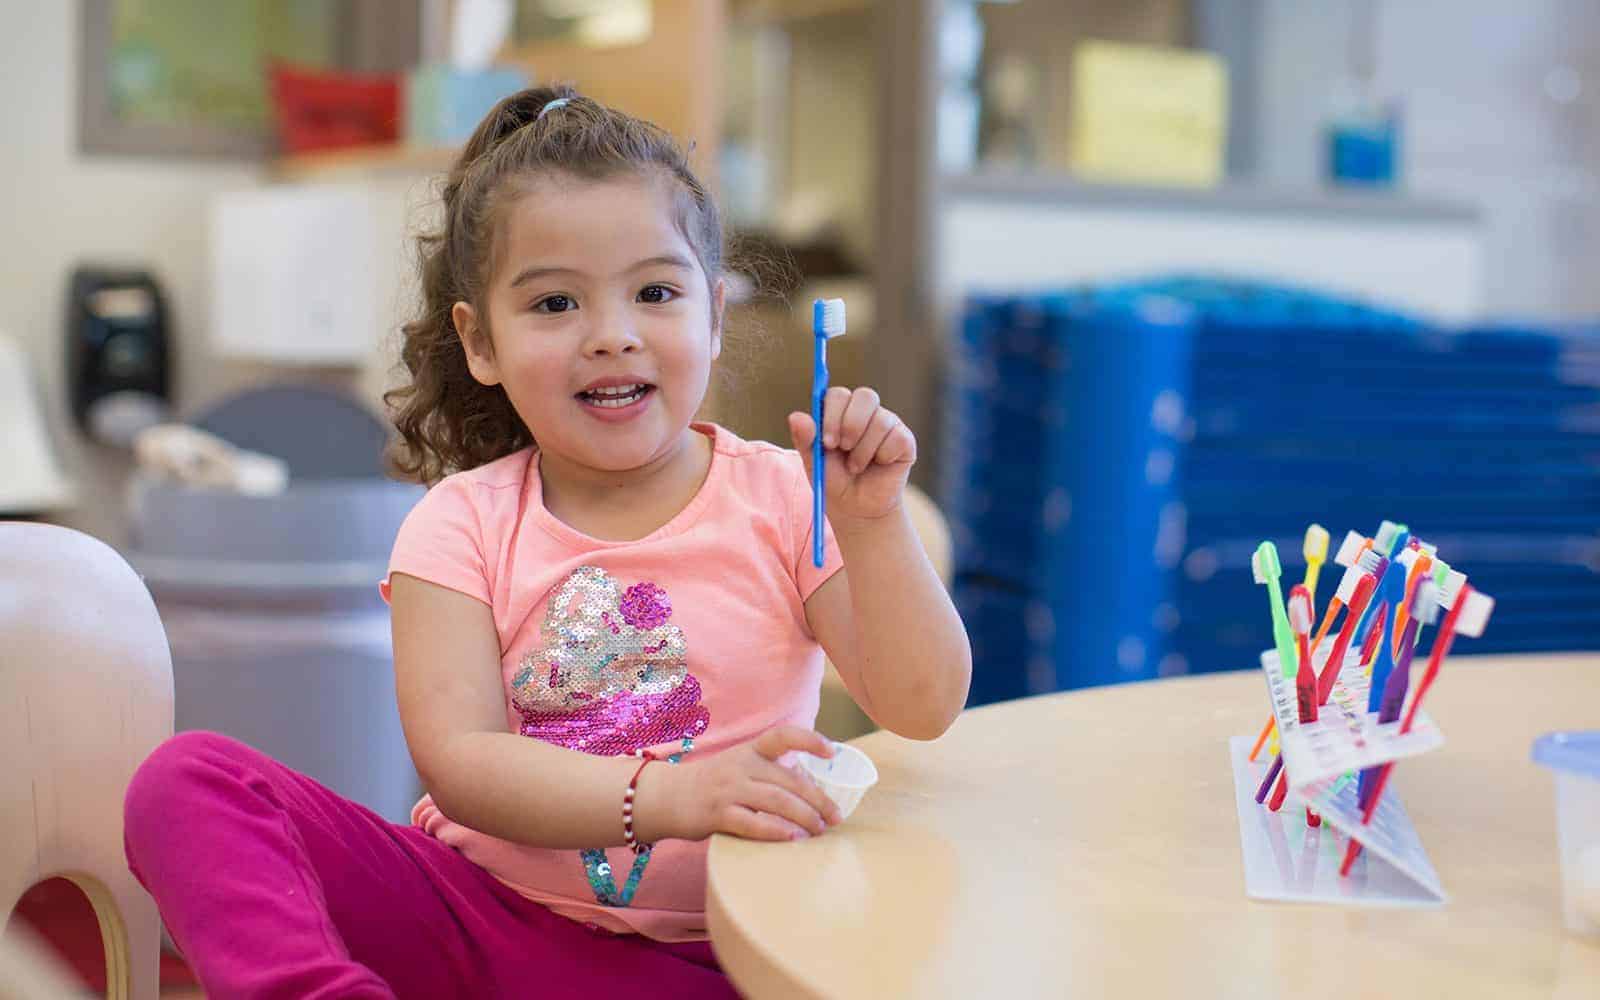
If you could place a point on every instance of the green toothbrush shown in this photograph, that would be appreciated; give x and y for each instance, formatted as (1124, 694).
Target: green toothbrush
(1264, 564)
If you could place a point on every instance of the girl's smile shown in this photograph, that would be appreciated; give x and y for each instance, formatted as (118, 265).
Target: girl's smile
(616, 398)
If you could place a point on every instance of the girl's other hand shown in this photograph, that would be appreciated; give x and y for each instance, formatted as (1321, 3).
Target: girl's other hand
(742, 791)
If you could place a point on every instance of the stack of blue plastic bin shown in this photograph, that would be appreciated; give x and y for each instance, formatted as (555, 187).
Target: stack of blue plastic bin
(1116, 453)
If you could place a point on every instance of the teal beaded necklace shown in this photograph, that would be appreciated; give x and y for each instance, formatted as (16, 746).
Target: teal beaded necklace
(598, 868)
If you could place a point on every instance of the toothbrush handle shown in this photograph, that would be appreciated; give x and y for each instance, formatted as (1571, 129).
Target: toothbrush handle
(819, 389)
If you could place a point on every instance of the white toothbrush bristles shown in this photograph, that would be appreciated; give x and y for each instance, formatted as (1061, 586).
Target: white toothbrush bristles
(1349, 549)
(1300, 614)
(1347, 584)
(1475, 615)
(1261, 569)
(828, 318)
(1426, 608)
(1383, 541)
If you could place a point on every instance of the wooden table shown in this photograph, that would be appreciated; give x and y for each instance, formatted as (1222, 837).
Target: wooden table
(1088, 844)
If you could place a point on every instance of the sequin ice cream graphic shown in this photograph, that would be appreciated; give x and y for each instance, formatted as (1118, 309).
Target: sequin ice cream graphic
(609, 675)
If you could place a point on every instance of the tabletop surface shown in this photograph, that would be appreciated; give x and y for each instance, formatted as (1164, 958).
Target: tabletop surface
(1088, 843)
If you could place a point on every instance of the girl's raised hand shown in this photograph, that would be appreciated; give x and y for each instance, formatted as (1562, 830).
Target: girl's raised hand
(869, 452)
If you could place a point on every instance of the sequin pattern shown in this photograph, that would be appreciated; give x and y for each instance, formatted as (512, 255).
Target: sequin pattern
(609, 675)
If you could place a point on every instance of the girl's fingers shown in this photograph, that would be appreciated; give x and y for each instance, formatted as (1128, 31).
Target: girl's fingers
(801, 785)
(770, 798)
(900, 445)
(872, 439)
(779, 740)
(833, 407)
(754, 825)
(858, 414)
(802, 431)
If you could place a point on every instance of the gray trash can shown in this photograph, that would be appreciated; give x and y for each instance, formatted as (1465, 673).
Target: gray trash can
(279, 637)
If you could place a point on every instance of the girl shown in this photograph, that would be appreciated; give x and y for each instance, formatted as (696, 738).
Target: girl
(608, 630)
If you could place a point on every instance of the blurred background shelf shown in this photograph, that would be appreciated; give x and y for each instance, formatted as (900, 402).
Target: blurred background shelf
(345, 164)
(779, 11)
(1238, 196)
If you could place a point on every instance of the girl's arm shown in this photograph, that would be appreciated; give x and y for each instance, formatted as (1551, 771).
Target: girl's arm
(453, 710)
(885, 620)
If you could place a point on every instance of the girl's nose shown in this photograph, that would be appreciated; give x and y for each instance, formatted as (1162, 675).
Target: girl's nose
(612, 333)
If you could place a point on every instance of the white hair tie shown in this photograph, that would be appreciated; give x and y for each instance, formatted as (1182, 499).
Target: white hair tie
(552, 105)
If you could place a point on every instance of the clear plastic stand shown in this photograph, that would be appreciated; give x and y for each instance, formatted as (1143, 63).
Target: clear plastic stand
(1345, 736)
(1284, 859)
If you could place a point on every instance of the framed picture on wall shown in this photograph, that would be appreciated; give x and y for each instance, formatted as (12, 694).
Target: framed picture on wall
(596, 23)
(189, 77)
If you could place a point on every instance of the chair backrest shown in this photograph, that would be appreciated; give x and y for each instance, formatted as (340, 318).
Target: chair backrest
(85, 695)
(319, 432)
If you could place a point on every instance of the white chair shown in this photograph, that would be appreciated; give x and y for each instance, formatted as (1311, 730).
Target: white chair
(28, 971)
(85, 695)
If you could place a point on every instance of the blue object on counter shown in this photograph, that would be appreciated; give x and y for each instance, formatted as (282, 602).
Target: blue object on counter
(444, 104)
(1575, 752)
(1362, 149)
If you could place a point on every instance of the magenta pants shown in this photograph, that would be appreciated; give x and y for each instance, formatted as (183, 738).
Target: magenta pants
(273, 886)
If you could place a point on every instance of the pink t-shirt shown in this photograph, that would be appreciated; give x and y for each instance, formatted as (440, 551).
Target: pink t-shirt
(698, 629)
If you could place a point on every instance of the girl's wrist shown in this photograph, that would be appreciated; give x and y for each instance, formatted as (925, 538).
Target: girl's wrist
(846, 528)
(654, 817)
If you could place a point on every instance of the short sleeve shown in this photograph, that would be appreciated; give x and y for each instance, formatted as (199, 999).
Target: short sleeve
(807, 575)
(441, 541)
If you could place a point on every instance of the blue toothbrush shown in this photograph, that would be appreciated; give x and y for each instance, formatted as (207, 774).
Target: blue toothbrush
(1390, 541)
(827, 322)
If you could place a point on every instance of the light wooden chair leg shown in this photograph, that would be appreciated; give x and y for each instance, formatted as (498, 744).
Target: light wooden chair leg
(130, 931)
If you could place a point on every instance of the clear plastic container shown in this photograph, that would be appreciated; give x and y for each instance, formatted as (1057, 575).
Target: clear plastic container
(1575, 759)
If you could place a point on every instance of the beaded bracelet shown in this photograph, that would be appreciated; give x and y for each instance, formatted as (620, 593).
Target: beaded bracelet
(627, 804)
(598, 868)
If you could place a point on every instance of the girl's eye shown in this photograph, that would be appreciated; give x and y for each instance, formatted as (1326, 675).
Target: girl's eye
(657, 294)
(555, 304)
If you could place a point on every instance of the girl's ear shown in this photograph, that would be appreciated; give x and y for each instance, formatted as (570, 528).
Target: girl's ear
(719, 301)
(475, 342)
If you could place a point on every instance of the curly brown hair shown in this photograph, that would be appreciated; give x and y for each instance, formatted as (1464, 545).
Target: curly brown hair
(447, 420)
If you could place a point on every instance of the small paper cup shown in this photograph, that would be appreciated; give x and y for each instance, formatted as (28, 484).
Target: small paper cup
(844, 777)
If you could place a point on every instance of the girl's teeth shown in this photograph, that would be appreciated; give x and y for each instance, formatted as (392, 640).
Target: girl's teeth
(611, 399)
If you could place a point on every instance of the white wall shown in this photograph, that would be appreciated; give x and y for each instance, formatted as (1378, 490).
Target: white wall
(62, 208)
(1428, 266)
(1480, 82)
(833, 119)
